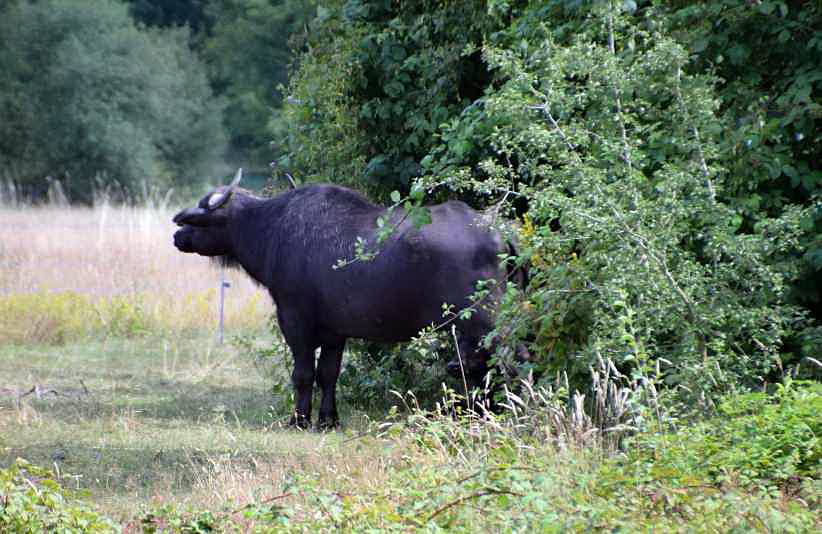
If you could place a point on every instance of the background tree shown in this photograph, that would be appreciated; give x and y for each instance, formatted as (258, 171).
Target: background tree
(248, 53)
(247, 45)
(86, 95)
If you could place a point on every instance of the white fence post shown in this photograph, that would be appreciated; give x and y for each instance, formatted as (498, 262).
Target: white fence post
(223, 286)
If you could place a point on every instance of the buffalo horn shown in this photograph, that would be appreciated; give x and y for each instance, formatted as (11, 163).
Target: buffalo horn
(218, 199)
(237, 178)
(291, 181)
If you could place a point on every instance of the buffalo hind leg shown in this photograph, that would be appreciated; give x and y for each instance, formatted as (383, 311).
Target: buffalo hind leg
(328, 370)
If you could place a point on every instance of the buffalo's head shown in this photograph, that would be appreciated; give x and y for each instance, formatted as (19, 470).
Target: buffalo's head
(203, 229)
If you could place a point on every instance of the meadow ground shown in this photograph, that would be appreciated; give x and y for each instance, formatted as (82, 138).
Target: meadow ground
(111, 376)
(146, 422)
(111, 373)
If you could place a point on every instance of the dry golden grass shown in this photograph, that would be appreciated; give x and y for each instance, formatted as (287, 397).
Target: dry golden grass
(71, 271)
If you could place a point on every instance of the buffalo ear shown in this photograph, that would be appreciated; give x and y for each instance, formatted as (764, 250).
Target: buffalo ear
(198, 217)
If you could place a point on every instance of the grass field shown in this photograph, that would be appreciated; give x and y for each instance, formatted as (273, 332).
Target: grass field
(144, 422)
(74, 273)
(112, 378)
(112, 375)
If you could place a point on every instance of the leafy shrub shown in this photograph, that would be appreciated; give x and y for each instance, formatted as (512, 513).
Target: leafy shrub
(769, 55)
(657, 237)
(373, 373)
(31, 500)
(756, 440)
(616, 142)
(375, 85)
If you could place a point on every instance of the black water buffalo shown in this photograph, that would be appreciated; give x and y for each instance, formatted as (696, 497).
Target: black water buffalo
(291, 242)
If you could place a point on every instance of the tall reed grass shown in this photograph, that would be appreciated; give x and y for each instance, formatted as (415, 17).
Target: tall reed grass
(68, 272)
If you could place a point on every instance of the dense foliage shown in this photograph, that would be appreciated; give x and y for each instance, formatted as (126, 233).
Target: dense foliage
(767, 58)
(757, 440)
(31, 500)
(90, 99)
(369, 98)
(659, 230)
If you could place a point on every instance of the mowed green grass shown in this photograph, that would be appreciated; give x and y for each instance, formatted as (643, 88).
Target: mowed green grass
(144, 422)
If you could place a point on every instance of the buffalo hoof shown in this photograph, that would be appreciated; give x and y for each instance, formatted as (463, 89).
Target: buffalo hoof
(327, 424)
(299, 421)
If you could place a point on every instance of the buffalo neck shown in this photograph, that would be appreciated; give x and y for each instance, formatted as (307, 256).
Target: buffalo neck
(254, 242)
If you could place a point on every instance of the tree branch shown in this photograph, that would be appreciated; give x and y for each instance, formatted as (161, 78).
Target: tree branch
(483, 493)
(683, 107)
(626, 154)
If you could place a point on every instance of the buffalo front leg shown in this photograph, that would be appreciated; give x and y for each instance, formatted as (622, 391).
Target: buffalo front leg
(297, 331)
(328, 370)
(303, 379)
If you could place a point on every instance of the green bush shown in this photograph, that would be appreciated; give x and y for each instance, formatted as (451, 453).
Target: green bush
(373, 374)
(769, 56)
(757, 440)
(377, 82)
(598, 123)
(31, 500)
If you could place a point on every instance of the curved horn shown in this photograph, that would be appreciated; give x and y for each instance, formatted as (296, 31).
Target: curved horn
(291, 181)
(237, 178)
(218, 199)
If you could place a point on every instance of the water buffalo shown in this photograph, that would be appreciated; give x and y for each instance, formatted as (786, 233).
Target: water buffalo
(291, 242)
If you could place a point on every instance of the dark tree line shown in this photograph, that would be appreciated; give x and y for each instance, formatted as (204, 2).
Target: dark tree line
(102, 95)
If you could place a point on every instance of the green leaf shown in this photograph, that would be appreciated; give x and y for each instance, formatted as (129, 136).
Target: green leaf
(395, 197)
